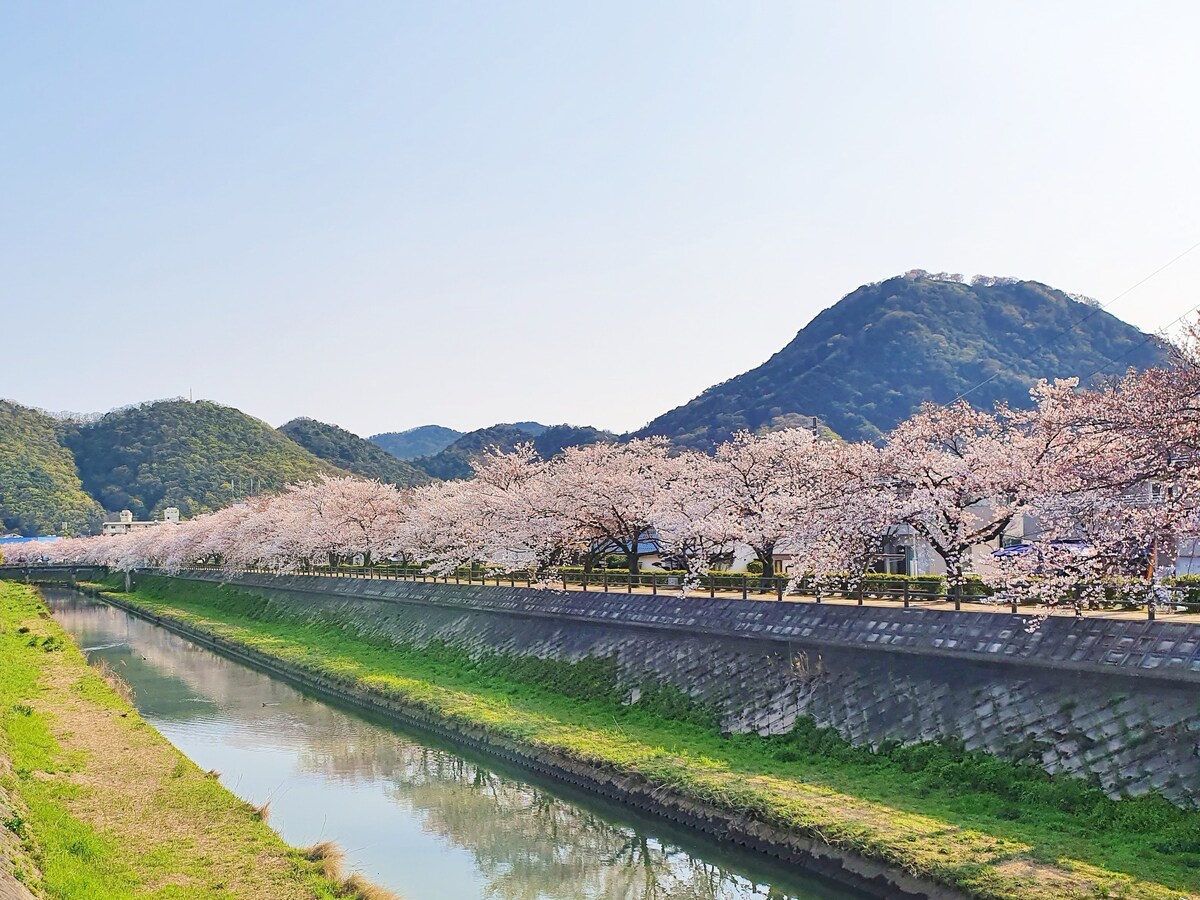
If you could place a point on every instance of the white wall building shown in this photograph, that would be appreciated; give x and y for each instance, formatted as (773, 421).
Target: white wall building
(125, 522)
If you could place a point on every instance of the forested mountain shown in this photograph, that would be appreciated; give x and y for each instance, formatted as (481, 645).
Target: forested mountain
(557, 438)
(40, 490)
(869, 361)
(350, 452)
(425, 440)
(455, 460)
(196, 456)
(430, 440)
(534, 428)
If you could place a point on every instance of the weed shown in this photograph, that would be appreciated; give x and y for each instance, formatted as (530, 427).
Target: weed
(358, 888)
(329, 855)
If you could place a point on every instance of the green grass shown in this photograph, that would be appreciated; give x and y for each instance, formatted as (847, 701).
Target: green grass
(994, 828)
(68, 854)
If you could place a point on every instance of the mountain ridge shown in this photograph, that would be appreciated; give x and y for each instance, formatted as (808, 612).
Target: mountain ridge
(352, 453)
(864, 364)
(194, 455)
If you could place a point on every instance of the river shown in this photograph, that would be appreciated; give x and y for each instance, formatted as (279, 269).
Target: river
(416, 815)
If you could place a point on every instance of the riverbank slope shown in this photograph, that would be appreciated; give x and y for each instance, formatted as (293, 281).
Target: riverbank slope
(930, 818)
(95, 804)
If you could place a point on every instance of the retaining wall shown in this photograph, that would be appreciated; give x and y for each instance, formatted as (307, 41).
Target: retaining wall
(1115, 699)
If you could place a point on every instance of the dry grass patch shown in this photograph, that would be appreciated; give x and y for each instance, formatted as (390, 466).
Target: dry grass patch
(119, 685)
(359, 888)
(330, 856)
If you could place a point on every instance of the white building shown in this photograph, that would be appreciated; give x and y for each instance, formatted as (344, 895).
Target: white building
(125, 523)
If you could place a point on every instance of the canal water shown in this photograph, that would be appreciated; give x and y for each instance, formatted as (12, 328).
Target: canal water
(425, 819)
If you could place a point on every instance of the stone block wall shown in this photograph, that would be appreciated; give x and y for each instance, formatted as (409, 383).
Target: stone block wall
(1115, 699)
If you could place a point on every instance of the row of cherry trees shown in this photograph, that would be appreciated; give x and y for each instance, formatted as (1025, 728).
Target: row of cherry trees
(1109, 476)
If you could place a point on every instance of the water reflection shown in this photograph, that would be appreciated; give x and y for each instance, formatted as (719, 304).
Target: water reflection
(424, 819)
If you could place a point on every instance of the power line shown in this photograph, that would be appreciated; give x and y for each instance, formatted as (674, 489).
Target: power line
(1095, 312)
(1148, 339)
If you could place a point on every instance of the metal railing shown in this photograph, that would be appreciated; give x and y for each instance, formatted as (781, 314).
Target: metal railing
(909, 593)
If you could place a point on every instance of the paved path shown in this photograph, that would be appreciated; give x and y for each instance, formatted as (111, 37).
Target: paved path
(940, 604)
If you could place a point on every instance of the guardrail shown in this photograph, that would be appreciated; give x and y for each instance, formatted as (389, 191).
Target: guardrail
(736, 585)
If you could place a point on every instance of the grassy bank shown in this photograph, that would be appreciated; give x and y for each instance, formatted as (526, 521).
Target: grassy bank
(100, 805)
(992, 828)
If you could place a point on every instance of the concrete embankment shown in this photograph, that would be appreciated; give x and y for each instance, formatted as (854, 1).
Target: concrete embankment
(1112, 700)
(845, 866)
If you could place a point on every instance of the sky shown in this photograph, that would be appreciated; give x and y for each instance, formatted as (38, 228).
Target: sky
(383, 215)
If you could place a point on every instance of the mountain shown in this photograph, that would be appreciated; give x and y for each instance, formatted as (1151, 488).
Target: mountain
(425, 440)
(40, 489)
(870, 360)
(430, 440)
(557, 438)
(196, 456)
(533, 428)
(454, 461)
(350, 452)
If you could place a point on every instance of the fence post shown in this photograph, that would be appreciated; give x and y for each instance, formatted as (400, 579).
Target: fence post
(629, 576)
(654, 583)
(907, 599)
(583, 579)
(712, 585)
(606, 581)
(860, 593)
(958, 596)
(778, 588)
(744, 586)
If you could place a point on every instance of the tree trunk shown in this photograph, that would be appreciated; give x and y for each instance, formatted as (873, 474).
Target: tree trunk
(768, 573)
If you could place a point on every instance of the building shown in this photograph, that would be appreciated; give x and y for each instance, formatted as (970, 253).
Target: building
(905, 552)
(125, 523)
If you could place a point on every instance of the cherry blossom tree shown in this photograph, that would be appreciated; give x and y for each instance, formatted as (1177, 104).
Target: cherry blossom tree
(847, 531)
(692, 516)
(772, 483)
(959, 478)
(604, 495)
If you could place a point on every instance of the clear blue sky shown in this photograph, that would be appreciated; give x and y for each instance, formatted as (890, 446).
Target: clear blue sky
(387, 214)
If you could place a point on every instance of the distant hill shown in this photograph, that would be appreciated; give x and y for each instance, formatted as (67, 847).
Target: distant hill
(557, 438)
(534, 428)
(350, 452)
(196, 456)
(40, 489)
(871, 359)
(425, 440)
(430, 440)
(454, 461)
